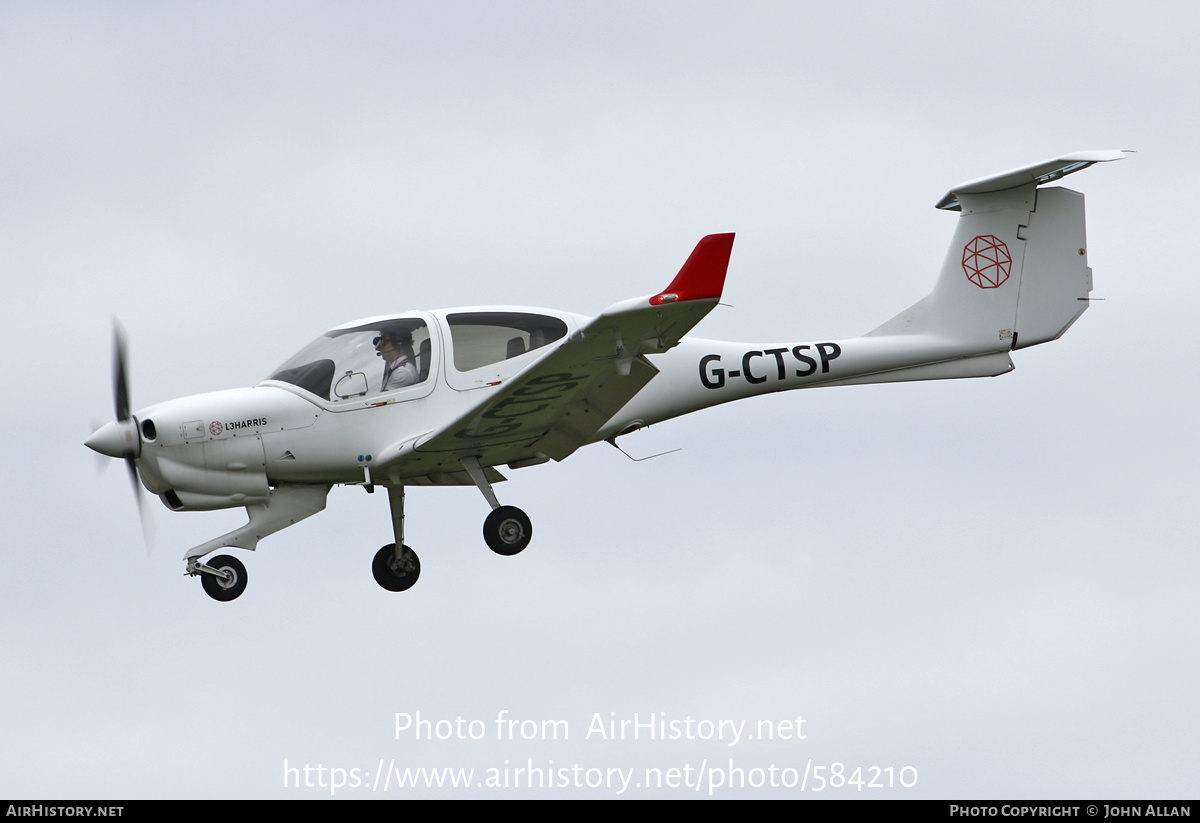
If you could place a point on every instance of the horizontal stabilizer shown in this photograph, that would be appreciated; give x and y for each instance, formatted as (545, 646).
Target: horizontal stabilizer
(1039, 173)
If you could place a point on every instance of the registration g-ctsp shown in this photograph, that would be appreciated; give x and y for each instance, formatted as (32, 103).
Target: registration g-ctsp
(758, 366)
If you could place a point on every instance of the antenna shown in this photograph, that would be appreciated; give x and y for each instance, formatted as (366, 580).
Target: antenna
(612, 441)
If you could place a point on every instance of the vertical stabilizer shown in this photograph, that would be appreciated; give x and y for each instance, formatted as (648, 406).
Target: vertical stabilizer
(1016, 272)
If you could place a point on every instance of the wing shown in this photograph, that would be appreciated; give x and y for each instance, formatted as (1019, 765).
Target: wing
(559, 402)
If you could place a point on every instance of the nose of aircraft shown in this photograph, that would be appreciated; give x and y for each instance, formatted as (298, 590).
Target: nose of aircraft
(118, 438)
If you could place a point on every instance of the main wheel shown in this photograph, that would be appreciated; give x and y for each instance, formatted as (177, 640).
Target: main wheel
(396, 575)
(507, 530)
(228, 587)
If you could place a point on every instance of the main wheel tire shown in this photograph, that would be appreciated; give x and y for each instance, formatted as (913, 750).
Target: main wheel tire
(224, 588)
(396, 575)
(507, 530)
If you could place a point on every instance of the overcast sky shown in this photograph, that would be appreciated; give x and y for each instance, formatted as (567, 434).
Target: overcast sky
(990, 582)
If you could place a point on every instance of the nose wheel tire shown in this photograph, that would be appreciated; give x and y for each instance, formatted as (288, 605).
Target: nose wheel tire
(396, 575)
(507, 530)
(230, 584)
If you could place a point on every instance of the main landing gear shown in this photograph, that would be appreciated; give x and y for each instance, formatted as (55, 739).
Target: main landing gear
(506, 530)
(396, 571)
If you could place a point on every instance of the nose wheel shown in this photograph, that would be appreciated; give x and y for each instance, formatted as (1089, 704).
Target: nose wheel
(229, 580)
(396, 574)
(507, 530)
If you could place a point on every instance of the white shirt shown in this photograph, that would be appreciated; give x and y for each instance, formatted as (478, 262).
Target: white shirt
(399, 374)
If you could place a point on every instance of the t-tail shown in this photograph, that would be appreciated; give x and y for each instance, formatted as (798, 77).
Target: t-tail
(1016, 275)
(1016, 272)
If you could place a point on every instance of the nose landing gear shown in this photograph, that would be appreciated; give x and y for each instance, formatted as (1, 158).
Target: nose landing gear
(223, 577)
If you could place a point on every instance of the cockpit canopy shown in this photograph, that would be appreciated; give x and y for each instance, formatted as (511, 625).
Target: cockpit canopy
(385, 354)
(344, 364)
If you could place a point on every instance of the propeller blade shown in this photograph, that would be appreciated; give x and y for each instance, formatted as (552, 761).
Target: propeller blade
(121, 438)
(131, 464)
(120, 381)
(143, 513)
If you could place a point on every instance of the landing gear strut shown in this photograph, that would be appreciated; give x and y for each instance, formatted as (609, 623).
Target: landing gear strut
(396, 571)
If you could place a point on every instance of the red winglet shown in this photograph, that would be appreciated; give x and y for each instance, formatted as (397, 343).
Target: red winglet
(703, 275)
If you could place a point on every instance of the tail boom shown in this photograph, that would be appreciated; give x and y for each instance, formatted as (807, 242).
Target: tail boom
(1015, 275)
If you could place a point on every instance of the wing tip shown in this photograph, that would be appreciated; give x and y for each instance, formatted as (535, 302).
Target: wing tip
(703, 274)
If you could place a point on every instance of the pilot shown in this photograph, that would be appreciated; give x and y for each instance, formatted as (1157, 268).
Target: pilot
(399, 362)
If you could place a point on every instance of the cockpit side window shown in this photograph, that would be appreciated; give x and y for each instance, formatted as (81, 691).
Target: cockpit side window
(483, 338)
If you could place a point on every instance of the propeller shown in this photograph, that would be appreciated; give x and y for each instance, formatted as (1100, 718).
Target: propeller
(120, 438)
(121, 408)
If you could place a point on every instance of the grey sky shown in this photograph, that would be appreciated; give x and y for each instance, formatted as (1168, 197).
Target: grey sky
(992, 581)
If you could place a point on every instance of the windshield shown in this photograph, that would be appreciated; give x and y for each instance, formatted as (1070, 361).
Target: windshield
(372, 359)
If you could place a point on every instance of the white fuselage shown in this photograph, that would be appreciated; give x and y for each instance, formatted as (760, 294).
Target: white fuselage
(228, 448)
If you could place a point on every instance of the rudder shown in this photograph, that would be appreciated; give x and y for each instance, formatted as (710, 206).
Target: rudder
(1055, 280)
